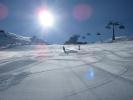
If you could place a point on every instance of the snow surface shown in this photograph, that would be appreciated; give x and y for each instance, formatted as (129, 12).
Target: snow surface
(44, 72)
(120, 39)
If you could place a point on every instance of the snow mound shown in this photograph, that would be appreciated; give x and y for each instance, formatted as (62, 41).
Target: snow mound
(120, 39)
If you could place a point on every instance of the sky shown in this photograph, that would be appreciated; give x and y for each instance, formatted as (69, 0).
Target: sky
(71, 17)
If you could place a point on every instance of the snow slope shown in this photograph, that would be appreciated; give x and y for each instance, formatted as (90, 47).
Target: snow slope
(44, 72)
(120, 39)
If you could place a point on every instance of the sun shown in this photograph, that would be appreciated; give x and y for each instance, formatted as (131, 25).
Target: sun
(46, 18)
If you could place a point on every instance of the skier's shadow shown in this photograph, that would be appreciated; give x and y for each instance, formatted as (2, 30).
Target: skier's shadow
(71, 51)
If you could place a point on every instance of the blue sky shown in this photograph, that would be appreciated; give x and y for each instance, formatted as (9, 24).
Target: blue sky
(22, 18)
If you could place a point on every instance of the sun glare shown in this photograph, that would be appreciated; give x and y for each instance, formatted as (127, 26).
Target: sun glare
(46, 18)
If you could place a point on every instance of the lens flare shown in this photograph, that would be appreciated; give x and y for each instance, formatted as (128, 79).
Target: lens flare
(41, 52)
(82, 12)
(3, 11)
(90, 74)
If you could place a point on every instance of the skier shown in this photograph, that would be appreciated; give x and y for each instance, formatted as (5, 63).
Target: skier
(79, 47)
(64, 50)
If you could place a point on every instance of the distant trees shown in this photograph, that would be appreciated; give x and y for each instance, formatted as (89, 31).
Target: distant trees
(112, 25)
(73, 39)
(83, 37)
(99, 36)
(88, 34)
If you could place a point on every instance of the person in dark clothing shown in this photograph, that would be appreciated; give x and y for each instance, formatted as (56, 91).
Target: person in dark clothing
(64, 50)
(78, 47)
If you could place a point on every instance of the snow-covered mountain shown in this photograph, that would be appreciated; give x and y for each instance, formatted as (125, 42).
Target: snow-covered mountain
(7, 39)
(10, 39)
